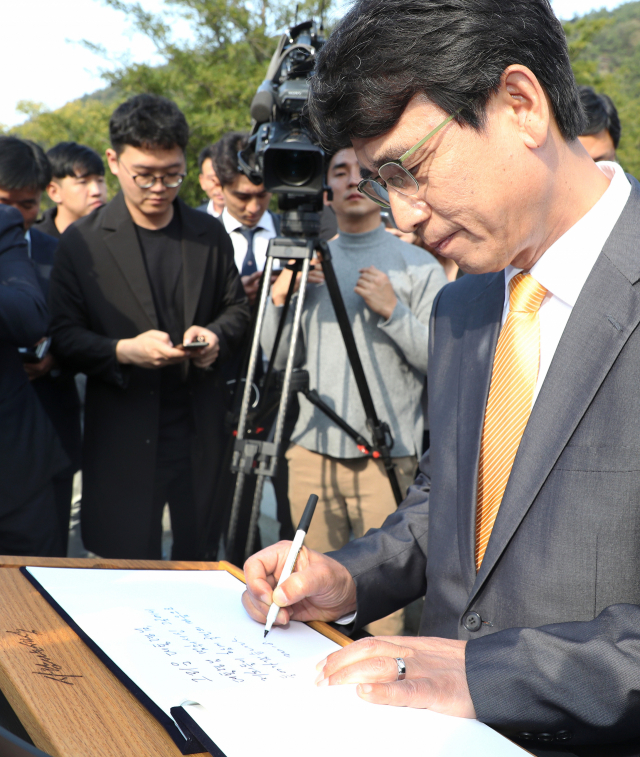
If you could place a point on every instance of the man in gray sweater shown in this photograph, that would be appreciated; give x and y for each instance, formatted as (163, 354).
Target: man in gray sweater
(388, 288)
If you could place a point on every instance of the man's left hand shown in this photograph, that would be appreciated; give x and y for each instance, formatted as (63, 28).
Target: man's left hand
(41, 368)
(206, 356)
(435, 677)
(375, 289)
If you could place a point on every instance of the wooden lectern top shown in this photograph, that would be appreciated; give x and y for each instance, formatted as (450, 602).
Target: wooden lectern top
(67, 700)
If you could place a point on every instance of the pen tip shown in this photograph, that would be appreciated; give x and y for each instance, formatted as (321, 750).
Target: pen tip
(265, 634)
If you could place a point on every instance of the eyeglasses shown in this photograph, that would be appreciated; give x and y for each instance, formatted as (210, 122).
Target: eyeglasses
(395, 175)
(147, 180)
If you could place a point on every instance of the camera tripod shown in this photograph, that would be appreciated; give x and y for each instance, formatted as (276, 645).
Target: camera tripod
(260, 458)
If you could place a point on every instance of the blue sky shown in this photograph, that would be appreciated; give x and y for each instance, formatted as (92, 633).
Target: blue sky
(46, 63)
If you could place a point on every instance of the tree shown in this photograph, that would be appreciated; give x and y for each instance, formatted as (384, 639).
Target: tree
(212, 77)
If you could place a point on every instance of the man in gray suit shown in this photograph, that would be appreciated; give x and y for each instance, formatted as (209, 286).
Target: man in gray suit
(464, 116)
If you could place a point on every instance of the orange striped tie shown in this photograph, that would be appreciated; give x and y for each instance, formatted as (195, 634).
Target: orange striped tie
(515, 372)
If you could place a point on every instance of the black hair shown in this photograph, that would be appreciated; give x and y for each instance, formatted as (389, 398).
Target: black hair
(601, 114)
(225, 160)
(454, 52)
(72, 159)
(207, 153)
(148, 121)
(23, 164)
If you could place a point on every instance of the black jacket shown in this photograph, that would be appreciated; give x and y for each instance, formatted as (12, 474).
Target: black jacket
(57, 390)
(29, 452)
(100, 293)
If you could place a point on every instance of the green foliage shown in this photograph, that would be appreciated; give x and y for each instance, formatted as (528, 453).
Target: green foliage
(605, 54)
(212, 75)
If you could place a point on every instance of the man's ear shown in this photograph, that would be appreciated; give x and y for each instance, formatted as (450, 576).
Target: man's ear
(112, 161)
(325, 199)
(527, 104)
(54, 192)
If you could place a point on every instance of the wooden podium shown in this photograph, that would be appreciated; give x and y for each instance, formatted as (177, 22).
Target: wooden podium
(67, 700)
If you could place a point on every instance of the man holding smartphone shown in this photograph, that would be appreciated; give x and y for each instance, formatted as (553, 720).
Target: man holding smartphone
(135, 285)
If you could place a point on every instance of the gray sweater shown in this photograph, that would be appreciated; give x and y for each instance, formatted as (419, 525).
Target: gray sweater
(393, 352)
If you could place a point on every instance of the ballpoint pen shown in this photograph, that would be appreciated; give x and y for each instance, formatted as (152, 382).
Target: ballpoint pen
(290, 563)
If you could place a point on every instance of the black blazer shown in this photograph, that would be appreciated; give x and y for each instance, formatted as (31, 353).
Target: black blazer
(29, 452)
(553, 615)
(100, 293)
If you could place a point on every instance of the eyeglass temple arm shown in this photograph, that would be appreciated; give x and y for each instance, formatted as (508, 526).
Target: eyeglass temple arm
(410, 152)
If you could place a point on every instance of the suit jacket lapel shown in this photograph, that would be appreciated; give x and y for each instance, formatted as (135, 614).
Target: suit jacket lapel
(605, 314)
(122, 241)
(195, 253)
(481, 332)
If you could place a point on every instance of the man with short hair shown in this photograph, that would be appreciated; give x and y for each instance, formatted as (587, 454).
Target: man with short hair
(210, 183)
(77, 186)
(137, 286)
(521, 526)
(388, 287)
(246, 217)
(601, 137)
(24, 173)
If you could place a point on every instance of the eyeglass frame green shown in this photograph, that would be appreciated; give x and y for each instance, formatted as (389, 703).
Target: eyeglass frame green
(400, 161)
(155, 178)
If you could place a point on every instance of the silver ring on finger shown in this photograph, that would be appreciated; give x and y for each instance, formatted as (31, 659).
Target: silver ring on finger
(402, 669)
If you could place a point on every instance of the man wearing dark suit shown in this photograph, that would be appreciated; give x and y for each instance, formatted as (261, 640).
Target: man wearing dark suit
(522, 526)
(29, 451)
(133, 283)
(24, 174)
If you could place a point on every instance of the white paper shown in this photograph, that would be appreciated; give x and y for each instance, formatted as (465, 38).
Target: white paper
(181, 633)
(183, 636)
(333, 720)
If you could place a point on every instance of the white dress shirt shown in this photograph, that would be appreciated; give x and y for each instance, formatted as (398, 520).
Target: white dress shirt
(260, 240)
(566, 265)
(211, 210)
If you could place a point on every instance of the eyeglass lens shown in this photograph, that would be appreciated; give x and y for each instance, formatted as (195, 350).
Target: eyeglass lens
(146, 181)
(376, 192)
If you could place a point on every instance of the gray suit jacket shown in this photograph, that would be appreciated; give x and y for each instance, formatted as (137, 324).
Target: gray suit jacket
(553, 616)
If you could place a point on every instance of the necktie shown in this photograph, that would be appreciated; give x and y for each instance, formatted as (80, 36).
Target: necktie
(515, 372)
(249, 265)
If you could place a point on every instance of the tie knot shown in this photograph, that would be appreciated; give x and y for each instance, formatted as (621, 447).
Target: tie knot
(525, 294)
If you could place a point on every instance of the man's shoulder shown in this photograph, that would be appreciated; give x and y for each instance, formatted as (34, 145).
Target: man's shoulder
(43, 247)
(200, 221)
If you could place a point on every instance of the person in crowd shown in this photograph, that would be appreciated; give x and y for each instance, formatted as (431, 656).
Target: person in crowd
(388, 288)
(246, 216)
(210, 183)
(30, 453)
(77, 186)
(24, 173)
(601, 136)
(136, 286)
(521, 526)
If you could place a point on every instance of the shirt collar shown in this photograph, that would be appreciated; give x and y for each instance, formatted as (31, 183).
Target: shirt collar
(566, 265)
(232, 224)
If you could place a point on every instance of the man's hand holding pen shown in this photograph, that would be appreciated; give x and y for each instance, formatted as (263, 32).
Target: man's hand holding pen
(319, 589)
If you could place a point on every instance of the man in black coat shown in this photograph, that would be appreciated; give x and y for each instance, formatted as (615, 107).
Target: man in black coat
(24, 174)
(133, 283)
(29, 453)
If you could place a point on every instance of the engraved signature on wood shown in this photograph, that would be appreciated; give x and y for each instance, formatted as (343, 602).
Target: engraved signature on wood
(47, 667)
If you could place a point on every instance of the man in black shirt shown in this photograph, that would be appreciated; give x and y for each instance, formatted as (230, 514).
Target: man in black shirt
(134, 285)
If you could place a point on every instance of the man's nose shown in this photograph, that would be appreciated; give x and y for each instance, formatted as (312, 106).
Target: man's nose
(409, 213)
(354, 177)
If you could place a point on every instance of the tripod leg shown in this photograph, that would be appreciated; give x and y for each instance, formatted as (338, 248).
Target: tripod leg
(376, 427)
(282, 410)
(246, 399)
(255, 515)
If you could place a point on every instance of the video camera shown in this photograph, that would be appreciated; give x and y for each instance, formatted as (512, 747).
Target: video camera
(282, 153)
